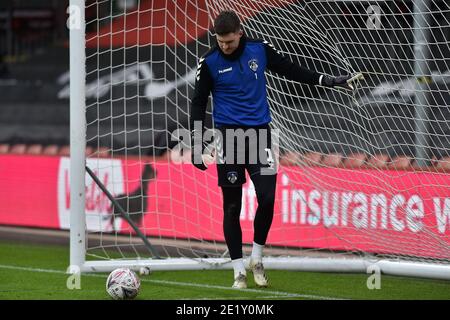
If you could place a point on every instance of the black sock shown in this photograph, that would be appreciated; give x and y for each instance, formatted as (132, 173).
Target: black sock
(232, 203)
(265, 187)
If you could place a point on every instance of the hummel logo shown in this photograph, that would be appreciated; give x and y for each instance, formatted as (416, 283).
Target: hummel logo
(226, 70)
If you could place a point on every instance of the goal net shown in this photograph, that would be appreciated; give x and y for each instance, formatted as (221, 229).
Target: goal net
(362, 178)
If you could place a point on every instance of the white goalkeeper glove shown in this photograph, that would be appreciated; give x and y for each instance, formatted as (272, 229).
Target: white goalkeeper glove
(206, 160)
(201, 156)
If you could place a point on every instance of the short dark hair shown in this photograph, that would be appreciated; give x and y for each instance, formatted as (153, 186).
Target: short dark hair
(226, 22)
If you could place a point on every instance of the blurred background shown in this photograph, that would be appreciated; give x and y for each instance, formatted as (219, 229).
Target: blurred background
(34, 73)
(33, 54)
(34, 81)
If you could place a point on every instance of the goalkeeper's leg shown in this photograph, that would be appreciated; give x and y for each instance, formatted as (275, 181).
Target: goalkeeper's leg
(232, 203)
(265, 187)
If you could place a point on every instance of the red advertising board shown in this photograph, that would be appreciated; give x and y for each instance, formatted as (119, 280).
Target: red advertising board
(396, 212)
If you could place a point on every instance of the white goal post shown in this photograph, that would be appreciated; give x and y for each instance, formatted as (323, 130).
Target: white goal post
(362, 181)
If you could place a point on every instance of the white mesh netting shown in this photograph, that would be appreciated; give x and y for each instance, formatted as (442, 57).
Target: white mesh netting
(360, 172)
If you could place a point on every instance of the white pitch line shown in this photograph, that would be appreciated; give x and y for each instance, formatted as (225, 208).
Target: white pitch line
(2, 266)
(264, 292)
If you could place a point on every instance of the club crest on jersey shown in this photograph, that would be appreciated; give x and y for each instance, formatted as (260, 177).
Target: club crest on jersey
(253, 64)
(232, 176)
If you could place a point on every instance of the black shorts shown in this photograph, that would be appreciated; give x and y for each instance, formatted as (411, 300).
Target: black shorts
(243, 148)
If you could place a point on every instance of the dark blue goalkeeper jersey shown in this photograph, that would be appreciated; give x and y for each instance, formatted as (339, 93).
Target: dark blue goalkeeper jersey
(237, 83)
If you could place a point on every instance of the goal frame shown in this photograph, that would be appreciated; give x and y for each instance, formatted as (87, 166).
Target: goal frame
(78, 239)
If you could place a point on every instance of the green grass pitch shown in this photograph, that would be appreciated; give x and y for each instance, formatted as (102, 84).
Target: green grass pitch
(38, 272)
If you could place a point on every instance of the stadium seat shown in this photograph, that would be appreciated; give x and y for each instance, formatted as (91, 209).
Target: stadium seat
(35, 149)
(290, 159)
(18, 149)
(355, 160)
(50, 150)
(89, 151)
(64, 151)
(401, 163)
(378, 161)
(102, 152)
(443, 164)
(332, 160)
(4, 148)
(311, 159)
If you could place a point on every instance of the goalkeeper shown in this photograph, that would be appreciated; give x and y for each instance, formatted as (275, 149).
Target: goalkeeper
(233, 72)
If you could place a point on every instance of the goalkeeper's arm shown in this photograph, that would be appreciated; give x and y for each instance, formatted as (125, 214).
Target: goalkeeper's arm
(278, 63)
(203, 86)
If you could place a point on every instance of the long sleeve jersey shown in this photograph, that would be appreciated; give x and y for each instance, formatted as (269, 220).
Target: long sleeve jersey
(237, 83)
